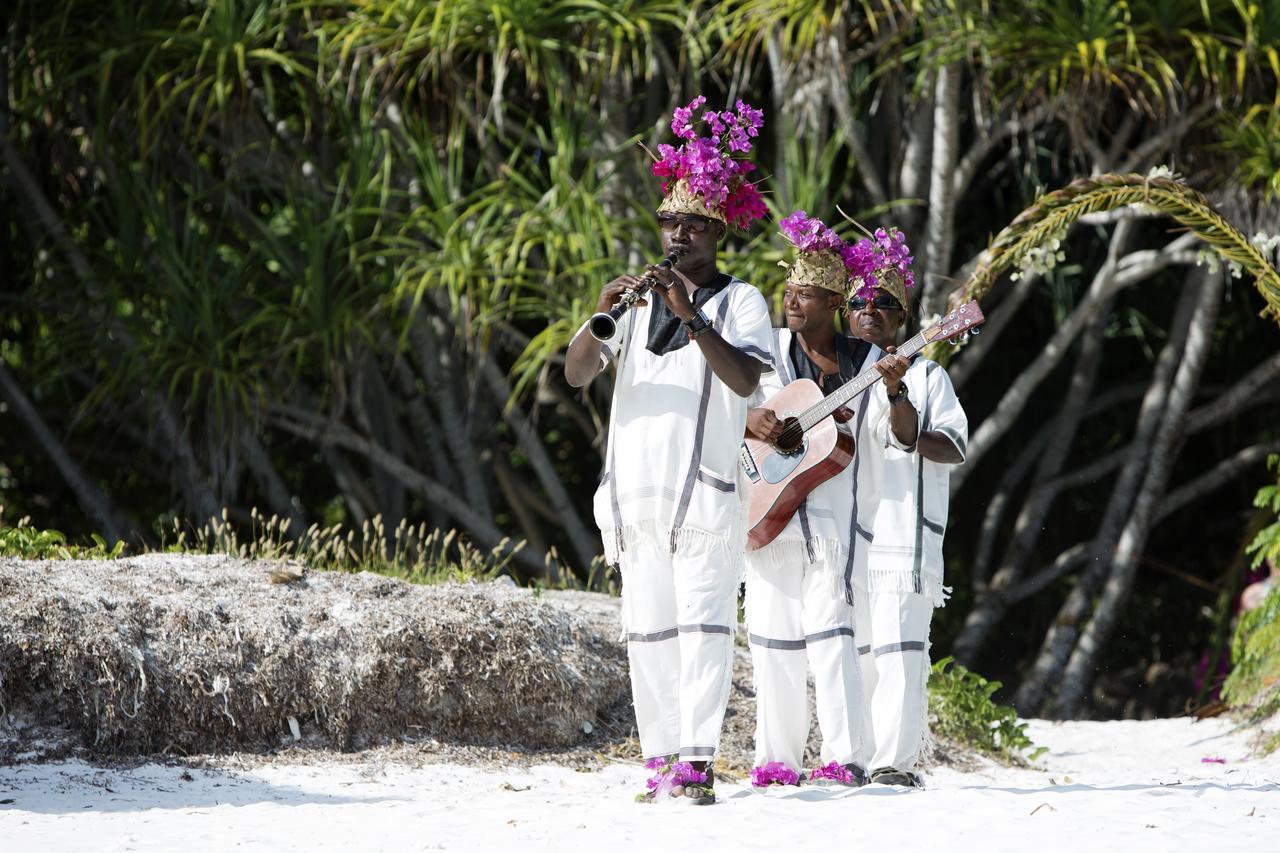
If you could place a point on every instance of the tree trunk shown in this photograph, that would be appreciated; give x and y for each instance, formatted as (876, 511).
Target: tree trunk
(105, 515)
(279, 499)
(1133, 539)
(454, 436)
(1061, 637)
(990, 606)
(976, 349)
(1128, 272)
(934, 263)
(308, 425)
(583, 544)
(190, 478)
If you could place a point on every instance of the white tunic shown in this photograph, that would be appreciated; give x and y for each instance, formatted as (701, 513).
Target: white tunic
(671, 467)
(911, 518)
(823, 529)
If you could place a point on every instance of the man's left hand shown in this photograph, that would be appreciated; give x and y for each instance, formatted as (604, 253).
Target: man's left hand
(892, 368)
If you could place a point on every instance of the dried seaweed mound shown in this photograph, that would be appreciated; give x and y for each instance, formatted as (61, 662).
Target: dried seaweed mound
(166, 652)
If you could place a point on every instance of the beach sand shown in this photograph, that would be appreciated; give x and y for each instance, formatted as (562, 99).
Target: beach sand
(1120, 785)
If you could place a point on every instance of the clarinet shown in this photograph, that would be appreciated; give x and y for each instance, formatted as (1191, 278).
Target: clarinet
(604, 324)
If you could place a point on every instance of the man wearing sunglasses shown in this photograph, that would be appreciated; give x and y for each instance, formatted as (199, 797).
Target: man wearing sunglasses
(904, 566)
(668, 506)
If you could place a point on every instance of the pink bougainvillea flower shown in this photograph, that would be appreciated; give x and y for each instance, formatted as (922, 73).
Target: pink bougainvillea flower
(712, 164)
(773, 773)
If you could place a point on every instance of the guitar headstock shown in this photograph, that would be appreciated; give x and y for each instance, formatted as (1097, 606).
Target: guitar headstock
(955, 323)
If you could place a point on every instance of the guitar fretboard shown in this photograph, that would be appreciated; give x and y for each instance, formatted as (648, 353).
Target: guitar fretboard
(864, 380)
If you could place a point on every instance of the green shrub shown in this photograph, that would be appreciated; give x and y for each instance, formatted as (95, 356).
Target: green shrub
(1254, 684)
(1253, 687)
(961, 710)
(30, 543)
(1266, 545)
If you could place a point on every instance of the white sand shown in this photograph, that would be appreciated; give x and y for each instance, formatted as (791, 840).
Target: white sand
(1131, 786)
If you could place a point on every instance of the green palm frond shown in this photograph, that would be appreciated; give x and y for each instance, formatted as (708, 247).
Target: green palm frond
(478, 47)
(1253, 142)
(799, 25)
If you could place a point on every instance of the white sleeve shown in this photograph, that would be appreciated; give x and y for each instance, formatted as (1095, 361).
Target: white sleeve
(747, 327)
(945, 414)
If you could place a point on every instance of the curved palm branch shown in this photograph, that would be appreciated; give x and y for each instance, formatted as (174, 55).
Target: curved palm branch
(1056, 212)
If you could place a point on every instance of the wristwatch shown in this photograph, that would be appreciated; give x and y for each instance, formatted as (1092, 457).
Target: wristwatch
(697, 324)
(901, 395)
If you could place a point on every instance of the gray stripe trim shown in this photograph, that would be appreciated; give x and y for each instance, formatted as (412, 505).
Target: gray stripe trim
(697, 750)
(716, 482)
(916, 584)
(841, 631)
(803, 512)
(954, 438)
(698, 628)
(647, 492)
(864, 650)
(935, 527)
(653, 636)
(615, 508)
(909, 646)
(864, 532)
(765, 357)
(854, 528)
(682, 509)
(770, 643)
(797, 645)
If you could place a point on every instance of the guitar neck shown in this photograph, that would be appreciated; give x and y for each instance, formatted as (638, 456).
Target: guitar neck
(864, 380)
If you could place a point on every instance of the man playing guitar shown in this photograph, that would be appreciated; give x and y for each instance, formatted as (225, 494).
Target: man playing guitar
(800, 595)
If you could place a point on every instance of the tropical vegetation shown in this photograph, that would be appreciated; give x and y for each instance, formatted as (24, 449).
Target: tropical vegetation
(319, 259)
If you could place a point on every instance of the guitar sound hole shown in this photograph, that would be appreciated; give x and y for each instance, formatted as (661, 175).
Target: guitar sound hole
(792, 435)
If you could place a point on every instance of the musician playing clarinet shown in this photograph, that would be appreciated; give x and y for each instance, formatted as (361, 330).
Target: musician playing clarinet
(668, 506)
(801, 585)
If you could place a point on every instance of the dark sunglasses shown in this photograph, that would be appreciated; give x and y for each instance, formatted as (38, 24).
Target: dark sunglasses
(883, 301)
(696, 224)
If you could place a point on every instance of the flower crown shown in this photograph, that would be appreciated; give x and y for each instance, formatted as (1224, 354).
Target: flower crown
(707, 165)
(811, 236)
(883, 255)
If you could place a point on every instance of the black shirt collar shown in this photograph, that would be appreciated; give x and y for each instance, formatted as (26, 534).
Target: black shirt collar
(666, 332)
(850, 353)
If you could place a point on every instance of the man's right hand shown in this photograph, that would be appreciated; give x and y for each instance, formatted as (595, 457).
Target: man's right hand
(764, 424)
(613, 291)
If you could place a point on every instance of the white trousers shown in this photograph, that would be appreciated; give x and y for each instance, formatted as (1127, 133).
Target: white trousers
(797, 616)
(893, 648)
(679, 613)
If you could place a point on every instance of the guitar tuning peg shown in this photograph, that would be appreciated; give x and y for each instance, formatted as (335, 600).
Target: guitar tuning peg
(974, 331)
(955, 342)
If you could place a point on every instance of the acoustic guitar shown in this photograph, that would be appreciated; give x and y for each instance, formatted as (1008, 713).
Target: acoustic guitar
(813, 447)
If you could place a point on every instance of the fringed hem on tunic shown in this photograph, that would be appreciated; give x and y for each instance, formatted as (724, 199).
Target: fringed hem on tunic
(901, 583)
(684, 542)
(821, 555)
